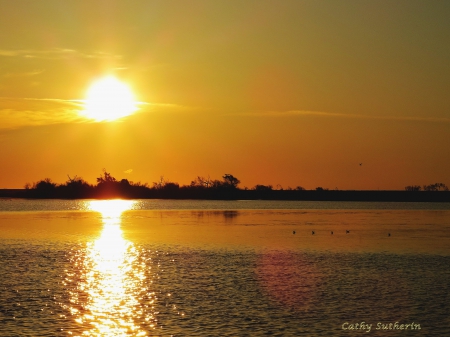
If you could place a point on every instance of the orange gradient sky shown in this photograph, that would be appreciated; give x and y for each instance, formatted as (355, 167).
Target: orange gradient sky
(274, 92)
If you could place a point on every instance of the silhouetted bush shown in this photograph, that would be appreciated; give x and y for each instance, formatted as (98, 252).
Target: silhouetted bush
(46, 188)
(263, 188)
(413, 188)
(435, 187)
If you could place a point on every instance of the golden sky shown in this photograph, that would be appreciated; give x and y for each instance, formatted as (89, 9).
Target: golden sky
(274, 92)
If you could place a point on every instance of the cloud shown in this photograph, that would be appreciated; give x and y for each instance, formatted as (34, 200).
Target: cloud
(24, 74)
(19, 112)
(128, 171)
(145, 107)
(342, 115)
(54, 53)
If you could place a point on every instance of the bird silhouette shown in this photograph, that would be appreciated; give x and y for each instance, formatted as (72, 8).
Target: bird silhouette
(313, 233)
(347, 232)
(331, 232)
(293, 232)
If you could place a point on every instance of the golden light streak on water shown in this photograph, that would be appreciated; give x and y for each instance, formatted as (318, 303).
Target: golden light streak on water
(108, 300)
(111, 210)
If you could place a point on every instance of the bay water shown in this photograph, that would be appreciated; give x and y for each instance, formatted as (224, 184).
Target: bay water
(223, 268)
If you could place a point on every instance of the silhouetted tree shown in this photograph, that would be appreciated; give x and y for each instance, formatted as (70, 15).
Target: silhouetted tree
(170, 186)
(413, 188)
(201, 182)
(230, 181)
(107, 186)
(435, 187)
(105, 178)
(76, 182)
(139, 184)
(159, 184)
(443, 186)
(45, 188)
(75, 187)
(124, 182)
(262, 188)
(47, 183)
(215, 184)
(429, 187)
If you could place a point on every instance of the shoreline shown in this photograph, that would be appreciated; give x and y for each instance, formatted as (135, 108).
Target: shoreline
(238, 194)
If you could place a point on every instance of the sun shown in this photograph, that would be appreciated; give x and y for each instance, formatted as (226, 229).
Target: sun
(108, 99)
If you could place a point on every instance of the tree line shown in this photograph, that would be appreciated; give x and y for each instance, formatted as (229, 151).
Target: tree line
(431, 187)
(108, 187)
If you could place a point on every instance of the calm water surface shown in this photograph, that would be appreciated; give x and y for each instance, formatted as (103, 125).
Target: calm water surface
(235, 268)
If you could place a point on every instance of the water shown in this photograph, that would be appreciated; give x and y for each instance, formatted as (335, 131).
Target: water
(20, 205)
(223, 268)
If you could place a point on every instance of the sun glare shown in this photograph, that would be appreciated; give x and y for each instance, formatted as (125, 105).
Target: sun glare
(109, 99)
(111, 209)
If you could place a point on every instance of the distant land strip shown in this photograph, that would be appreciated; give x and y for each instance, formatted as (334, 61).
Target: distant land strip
(239, 194)
(108, 187)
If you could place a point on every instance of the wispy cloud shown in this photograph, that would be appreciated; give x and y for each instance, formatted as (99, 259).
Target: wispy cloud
(128, 171)
(19, 112)
(166, 107)
(342, 115)
(24, 74)
(54, 53)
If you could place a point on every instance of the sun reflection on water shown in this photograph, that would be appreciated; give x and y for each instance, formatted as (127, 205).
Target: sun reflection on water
(110, 296)
(111, 210)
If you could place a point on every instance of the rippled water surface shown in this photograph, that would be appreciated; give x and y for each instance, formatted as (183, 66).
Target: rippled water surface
(118, 268)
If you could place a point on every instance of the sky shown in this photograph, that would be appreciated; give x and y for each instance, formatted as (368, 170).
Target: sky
(336, 94)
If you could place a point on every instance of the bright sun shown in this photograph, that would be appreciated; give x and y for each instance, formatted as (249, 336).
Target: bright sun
(109, 99)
